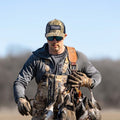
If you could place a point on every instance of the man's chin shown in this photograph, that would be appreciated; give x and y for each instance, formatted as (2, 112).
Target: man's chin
(56, 49)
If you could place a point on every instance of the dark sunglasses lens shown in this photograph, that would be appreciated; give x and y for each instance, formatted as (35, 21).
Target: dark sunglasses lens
(50, 38)
(58, 38)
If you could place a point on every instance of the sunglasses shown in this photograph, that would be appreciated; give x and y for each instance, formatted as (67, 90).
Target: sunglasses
(58, 38)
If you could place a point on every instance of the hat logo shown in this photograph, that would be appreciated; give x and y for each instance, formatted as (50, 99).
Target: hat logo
(55, 27)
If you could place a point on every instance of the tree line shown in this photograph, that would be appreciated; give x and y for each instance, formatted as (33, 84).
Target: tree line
(107, 93)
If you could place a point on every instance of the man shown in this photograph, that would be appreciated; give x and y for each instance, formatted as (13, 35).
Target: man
(50, 66)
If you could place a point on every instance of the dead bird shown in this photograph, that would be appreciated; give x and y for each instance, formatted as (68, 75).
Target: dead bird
(88, 109)
(67, 110)
(48, 114)
(94, 108)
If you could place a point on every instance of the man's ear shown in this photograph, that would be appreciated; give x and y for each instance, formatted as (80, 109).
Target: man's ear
(65, 35)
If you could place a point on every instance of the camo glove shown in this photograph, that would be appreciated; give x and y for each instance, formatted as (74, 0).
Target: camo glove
(77, 79)
(24, 106)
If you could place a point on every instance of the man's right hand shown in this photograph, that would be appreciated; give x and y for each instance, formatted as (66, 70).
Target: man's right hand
(24, 106)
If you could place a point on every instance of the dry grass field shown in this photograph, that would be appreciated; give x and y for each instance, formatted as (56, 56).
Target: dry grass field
(7, 114)
(111, 114)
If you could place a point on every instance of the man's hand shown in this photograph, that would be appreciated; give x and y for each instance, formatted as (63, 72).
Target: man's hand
(24, 106)
(77, 79)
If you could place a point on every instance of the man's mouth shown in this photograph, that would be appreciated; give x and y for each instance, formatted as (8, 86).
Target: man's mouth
(55, 45)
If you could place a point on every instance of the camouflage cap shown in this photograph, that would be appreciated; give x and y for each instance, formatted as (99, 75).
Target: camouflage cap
(55, 28)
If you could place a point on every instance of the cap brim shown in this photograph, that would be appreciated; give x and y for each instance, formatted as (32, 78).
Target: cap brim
(55, 34)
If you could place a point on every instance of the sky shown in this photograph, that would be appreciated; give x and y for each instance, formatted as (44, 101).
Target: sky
(92, 26)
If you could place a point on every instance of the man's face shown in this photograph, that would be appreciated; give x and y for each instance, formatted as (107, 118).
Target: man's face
(55, 46)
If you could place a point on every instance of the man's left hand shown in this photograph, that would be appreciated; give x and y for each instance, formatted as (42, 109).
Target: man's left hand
(77, 79)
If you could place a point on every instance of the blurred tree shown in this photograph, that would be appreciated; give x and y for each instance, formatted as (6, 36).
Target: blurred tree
(107, 92)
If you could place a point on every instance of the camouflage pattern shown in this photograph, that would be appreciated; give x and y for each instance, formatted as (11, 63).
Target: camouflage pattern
(60, 83)
(55, 28)
(47, 91)
(46, 94)
(65, 66)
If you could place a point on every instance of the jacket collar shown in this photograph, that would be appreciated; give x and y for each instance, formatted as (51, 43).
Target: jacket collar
(42, 52)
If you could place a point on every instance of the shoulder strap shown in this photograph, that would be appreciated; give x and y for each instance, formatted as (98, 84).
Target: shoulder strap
(72, 55)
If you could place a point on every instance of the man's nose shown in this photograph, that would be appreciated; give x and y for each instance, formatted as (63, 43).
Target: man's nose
(54, 40)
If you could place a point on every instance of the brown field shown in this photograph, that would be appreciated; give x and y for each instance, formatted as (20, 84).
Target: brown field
(7, 114)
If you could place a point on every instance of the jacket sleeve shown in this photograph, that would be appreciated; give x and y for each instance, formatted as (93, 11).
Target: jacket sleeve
(85, 66)
(26, 74)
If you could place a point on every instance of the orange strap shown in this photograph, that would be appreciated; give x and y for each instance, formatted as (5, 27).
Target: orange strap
(72, 55)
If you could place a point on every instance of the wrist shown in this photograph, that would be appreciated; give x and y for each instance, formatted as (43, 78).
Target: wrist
(22, 100)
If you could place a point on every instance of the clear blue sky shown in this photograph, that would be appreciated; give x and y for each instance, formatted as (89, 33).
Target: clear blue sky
(93, 26)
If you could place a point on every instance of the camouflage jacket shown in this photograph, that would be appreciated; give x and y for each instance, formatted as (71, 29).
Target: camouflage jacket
(35, 68)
